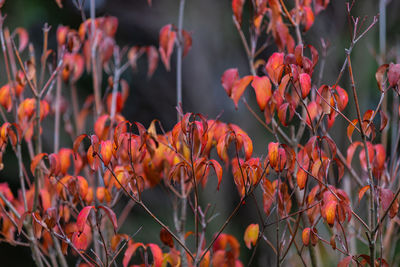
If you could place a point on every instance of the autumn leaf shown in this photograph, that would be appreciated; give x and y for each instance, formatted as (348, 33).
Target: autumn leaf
(251, 235)
(239, 87)
(167, 40)
(305, 84)
(237, 7)
(82, 217)
(262, 88)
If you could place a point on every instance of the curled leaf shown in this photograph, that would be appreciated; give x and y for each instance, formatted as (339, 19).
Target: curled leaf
(36, 160)
(111, 215)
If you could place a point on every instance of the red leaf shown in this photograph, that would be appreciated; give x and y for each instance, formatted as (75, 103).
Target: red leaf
(130, 251)
(36, 160)
(228, 79)
(157, 255)
(187, 42)
(343, 98)
(350, 152)
(167, 40)
(362, 192)
(218, 170)
(237, 7)
(152, 58)
(82, 217)
(239, 87)
(262, 88)
(393, 74)
(55, 163)
(79, 240)
(345, 262)
(23, 38)
(305, 84)
(111, 215)
(274, 67)
(282, 113)
(308, 18)
(166, 238)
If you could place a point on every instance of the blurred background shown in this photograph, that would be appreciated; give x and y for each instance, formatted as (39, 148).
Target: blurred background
(216, 47)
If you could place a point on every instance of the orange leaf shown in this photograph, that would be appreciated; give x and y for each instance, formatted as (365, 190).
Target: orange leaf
(239, 87)
(313, 111)
(350, 129)
(273, 154)
(82, 217)
(106, 151)
(305, 236)
(330, 212)
(301, 178)
(251, 235)
(262, 88)
(36, 160)
(218, 170)
(362, 192)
